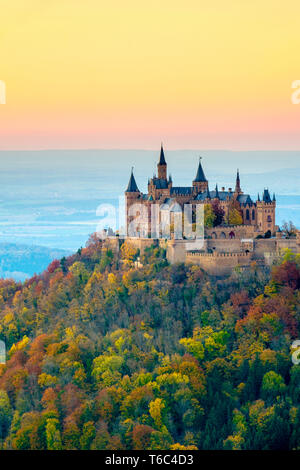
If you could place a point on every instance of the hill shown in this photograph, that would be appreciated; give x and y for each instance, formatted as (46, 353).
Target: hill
(101, 355)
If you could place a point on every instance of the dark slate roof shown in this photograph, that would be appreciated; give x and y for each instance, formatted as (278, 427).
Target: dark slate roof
(244, 199)
(160, 183)
(132, 186)
(200, 177)
(181, 190)
(162, 160)
(221, 194)
(266, 196)
(202, 196)
(171, 205)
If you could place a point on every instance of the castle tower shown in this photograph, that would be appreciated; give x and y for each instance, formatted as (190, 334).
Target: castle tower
(266, 212)
(162, 165)
(200, 183)
(132, 196)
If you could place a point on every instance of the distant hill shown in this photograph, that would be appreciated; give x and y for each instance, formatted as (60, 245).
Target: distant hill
(22, 261)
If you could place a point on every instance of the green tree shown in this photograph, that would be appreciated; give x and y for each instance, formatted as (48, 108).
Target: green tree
(209, 216)
(53, 434)
(272, 385)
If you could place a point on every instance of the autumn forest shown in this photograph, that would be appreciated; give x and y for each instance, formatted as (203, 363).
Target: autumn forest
(102, 354)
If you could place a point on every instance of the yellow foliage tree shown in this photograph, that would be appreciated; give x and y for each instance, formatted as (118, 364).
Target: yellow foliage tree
(234, 217)
(128, 252)
(155, 409)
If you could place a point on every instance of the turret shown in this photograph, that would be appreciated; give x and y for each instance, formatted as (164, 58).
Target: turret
(266, 196)
(132, 195)
(200, 183)
(266, 209)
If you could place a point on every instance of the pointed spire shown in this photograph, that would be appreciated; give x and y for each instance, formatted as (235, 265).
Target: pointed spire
(217, 192)
(170, 178)
(274, 198)
(200, 177)
(208, 193)
(258, 197)
(162, 160)
(132, 186)
(238, 182)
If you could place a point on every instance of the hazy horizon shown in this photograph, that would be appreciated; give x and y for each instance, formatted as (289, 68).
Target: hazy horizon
(50, 198)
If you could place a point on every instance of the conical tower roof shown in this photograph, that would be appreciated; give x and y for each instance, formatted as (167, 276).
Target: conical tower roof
(132, 186)
(200, 177)
(162, 160)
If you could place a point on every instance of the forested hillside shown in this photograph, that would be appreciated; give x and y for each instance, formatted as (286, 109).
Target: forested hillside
(103, 355)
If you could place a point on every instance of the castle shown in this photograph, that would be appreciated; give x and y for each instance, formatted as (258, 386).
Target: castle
(242, 234)
(260, 215)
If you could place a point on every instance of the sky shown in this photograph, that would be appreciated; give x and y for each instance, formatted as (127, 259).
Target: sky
(130, 74)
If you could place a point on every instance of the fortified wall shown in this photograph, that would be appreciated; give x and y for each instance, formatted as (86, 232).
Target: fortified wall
(216, 256)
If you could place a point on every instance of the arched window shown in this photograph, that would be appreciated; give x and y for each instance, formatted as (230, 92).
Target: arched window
(223, 235)
(253, 214)
(247, 214)
(232, 235)
(214, 235)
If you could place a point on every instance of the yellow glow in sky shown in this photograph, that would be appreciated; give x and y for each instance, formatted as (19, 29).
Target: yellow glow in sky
(131, 73)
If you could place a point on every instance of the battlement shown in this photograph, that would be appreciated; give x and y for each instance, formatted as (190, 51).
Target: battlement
(217, 257)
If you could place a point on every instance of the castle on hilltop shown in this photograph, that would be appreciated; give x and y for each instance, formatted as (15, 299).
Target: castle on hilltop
(235, 207)
(240, 233)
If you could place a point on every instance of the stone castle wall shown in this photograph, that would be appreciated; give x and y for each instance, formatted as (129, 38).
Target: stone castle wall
(239, 231)
(219, 263)
(216, 256)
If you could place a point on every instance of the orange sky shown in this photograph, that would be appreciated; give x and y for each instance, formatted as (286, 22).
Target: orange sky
(195, 74)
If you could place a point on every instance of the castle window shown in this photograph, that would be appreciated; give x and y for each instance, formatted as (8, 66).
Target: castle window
(253, 214)
(269, 218)
(247, 214)
(232, 235)
(223, 235)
